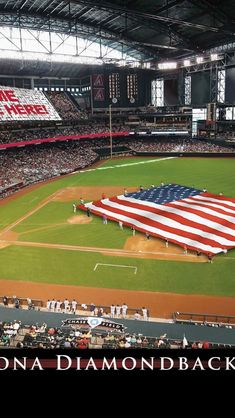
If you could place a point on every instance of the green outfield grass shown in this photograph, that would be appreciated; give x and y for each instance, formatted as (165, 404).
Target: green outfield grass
(48, 225)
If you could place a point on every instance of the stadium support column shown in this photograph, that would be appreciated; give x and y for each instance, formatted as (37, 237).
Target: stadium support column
(181, 88)
(213, 84)
(32, 83)
(91, 97)
(211, 108)
(110, 131)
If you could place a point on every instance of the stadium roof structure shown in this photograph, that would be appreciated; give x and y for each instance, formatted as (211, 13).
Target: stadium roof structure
(151, 30)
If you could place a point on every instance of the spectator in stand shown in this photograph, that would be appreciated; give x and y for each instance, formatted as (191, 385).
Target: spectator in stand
(64, 105)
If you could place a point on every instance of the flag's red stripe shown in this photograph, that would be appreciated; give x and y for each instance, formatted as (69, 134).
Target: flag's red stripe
(207, 204)
(181, 244)
(177, 218)
(162, 227)
(202, 214)
(174, 241)
(218, 197)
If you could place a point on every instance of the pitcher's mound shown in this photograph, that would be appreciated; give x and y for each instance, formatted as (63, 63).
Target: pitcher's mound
(79, 219)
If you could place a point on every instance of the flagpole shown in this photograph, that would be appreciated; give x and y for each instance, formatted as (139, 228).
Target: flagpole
(110, 131)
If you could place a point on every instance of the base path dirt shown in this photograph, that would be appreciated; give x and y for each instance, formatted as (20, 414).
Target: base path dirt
(156, 248)
(161, 305)
(89, 193)
(105, 251)
(9, 236)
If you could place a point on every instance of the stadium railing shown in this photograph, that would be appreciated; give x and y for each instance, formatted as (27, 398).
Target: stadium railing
(203, 318)
(41, 305)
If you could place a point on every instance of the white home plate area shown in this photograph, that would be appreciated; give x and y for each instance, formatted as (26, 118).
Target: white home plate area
(116, 265)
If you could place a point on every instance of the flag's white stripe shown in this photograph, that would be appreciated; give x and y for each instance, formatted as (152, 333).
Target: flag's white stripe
(206, 210)
(171, 223)
(211, 205)
(165, 234)
(190, 216)
(212, 199)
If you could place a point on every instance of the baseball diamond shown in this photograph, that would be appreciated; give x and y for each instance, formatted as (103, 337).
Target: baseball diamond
(35, 226)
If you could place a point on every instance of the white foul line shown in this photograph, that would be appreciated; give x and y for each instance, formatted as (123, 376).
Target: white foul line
(156, 160)
(115, 265)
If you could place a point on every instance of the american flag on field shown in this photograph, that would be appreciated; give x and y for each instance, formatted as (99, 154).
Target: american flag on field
(189, 217)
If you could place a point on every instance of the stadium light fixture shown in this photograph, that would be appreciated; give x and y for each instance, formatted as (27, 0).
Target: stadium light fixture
(122, 63)
(167, 65)
(187, 63)
(214, 57)
(146, 65)
(199, 60)
(135, 64)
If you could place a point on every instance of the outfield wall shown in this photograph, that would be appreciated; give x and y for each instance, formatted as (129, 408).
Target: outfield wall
(186, 154)
(62, 138)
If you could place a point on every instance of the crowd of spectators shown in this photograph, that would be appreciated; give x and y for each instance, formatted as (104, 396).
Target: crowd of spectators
(18, 335)
(22, 135)
(140, 145)
(178, 145)
(33, 164)
(8, 331)
(82, 338)
(20, 167)
(65, 106)
(14, 334)
(201, 146)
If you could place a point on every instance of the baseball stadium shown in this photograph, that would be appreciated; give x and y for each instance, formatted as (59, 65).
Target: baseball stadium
(117, 186)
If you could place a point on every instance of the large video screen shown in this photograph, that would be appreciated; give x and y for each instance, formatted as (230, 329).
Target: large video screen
(171, 92)
(24, 104)
(200, 88)
(230, 85)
